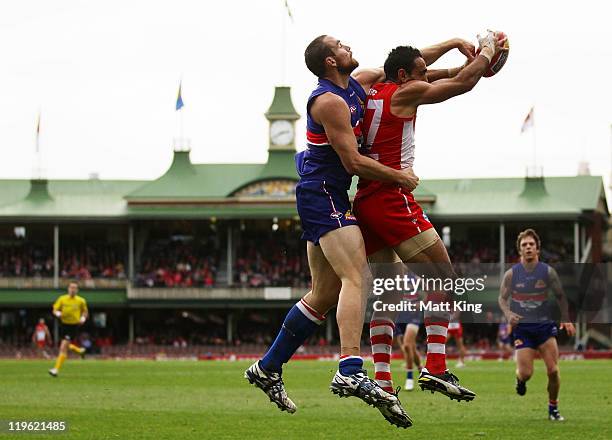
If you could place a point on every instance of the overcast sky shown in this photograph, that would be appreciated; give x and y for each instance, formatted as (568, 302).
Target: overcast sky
(105, 76)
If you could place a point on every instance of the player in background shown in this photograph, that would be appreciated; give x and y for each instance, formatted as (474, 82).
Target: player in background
(393, 224)
(455, 331)
(407, 326)
(72, 312)
(335, 246)
(504, 340)
(42, 337)
(523, 298)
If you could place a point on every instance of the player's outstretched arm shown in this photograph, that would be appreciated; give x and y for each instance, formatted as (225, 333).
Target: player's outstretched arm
(557, 288)
(438, 74)
(420, 92)
(432, 53)
(332, 112)
(370, 76)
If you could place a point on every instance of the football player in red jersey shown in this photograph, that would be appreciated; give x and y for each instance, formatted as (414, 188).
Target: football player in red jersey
(42, 337)
(392, 223)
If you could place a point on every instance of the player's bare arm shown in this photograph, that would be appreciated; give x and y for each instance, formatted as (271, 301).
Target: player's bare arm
(438, 74)
(432, 53)
(418, 92)
(504, 299)
(370, 76)
(557, 288)
(332, 112)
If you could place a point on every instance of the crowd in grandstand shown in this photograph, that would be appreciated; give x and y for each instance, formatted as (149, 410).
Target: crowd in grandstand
(260, 260)
(26, 261)
(76, 262)
(178, 263)
(266, 261)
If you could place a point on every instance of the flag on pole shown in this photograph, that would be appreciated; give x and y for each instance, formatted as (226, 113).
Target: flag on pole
(528, 122)
(179, 98)
(288, 10)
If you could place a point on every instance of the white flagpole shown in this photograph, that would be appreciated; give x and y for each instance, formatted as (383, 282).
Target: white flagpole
(535, 148)
(284, 35)
(181, 117)
(283, 47)
(38, 161)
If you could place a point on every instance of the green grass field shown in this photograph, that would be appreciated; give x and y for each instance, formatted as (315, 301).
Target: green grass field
(201, 400)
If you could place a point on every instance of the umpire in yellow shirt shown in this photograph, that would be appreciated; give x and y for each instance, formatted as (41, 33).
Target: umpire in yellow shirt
(72, 312)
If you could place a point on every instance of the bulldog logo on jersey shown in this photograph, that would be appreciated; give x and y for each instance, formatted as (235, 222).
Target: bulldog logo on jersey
(518, 342)
(349, 215)
(540, 284)
(336, 215)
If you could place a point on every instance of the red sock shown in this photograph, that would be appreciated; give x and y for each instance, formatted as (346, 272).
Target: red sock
(436, 345)
(381, 339)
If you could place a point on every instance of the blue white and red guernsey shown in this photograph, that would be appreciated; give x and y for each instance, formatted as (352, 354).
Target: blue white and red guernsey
(321, 194)
(529, 299)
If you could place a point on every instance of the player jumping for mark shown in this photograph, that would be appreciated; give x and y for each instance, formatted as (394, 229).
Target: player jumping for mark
(393, 224)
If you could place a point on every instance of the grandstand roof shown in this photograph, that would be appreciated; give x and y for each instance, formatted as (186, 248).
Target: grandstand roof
(190, 190)
(187, 181)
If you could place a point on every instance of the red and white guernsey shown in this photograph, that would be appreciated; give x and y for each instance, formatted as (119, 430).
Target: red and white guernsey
(389, 139)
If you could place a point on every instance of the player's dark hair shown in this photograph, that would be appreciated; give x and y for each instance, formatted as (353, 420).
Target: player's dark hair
(402, 57)
(527, 233)
(315, 55)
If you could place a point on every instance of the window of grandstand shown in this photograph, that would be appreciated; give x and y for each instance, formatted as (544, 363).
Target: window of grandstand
(26, 251)
(268, 256)
(178, 254)
(93, 251)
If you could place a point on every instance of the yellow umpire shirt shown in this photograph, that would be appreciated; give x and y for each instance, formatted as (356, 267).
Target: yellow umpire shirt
(71, 308)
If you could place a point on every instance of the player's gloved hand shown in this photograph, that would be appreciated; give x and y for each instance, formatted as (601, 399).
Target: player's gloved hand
(487, 45)
(568, 327)
(466, 48)
(82, 320)
(407, 179)
(57, 314)
(513, 318)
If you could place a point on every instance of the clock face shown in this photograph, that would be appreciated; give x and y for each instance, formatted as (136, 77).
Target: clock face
(281, 133)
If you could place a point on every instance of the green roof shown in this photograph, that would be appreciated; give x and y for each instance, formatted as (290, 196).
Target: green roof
(190, 190)
(513, 197)
(186, 181)
(67, 199)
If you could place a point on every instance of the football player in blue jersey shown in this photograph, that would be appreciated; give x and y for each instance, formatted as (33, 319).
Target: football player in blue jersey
(523, 298)
(335, 246)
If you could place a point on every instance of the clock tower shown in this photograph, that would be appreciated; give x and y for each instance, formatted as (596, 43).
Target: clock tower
(282, 117)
